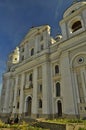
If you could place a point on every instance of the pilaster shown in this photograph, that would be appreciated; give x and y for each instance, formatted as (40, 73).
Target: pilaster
(22, 94)
(83, 78)
(46, 80)
(26, 51)
(11, 96)
(37, 44)
(75, 91)
(34, 96)
(66, 82)
(76, 88)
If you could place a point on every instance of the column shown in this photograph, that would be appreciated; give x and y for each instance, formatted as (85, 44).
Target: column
(7, 94)
(15, 95)
(11, 96)
(34, 96)
(22, 94)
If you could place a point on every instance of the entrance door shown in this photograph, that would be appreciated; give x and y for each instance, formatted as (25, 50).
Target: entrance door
(59, 107)
(28, 106)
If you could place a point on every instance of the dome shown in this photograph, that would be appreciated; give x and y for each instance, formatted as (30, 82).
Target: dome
(73, 8)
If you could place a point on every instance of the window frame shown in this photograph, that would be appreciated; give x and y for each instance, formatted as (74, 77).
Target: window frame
(56, 69)
(58, 89)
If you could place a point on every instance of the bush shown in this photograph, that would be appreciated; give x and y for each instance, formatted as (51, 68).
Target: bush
(82, 129)
(1, 124)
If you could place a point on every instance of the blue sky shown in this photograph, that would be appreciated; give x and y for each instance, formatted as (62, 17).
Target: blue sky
(18, 16)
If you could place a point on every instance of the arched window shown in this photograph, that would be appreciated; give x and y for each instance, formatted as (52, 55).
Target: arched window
(56, 69)
(57, 89)
(30, 77)
(32, 51)
(77, 25)
(40, 103)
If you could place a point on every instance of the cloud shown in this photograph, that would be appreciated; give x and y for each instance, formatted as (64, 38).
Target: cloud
(61, 7)
(58, 8)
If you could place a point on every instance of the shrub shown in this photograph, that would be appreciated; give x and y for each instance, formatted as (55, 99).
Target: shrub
(1, 124)
(82, 129)
(22, 126)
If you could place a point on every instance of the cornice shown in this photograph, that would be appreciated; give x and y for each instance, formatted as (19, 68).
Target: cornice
(33, 63)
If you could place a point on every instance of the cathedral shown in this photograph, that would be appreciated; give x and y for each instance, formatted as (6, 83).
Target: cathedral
(46, 76)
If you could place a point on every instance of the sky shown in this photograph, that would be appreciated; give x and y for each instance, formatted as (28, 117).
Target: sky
(18, 16)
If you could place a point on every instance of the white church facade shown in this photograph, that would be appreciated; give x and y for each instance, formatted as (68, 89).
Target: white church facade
(46, 77)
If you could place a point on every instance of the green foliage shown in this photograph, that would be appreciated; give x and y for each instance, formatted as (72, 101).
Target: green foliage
(22, 126)
(75, 121)
(3, 125)
(82, 129)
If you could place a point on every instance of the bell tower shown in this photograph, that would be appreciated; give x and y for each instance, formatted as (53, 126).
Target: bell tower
(13, 58)
(74, 20)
